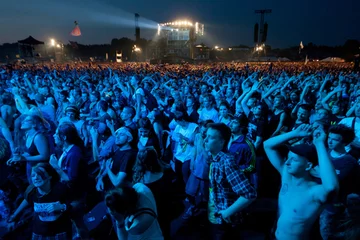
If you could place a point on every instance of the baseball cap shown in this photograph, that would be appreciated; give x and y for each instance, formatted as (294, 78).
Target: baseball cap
(307, 151)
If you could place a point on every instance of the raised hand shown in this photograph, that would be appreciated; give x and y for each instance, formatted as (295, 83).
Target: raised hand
(54, 161)
(304, 130)
(319, 136)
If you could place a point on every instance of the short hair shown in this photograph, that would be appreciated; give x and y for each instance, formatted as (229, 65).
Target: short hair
(225, 132)
(206, 123)
(225, 104)
(122, 200)
(210, 97)
(96, 94)
(132, 111)
(69, 131)
(306, 107)
(243, 122)
(347, 133)
(74, 109)
(103, 105)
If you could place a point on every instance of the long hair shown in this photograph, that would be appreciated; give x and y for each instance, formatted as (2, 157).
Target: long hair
(41, 168)
(146, 124)
(41, 125)
(147, 160)
(69, 131)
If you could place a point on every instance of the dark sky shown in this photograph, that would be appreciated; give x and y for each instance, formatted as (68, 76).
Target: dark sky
(227, 22)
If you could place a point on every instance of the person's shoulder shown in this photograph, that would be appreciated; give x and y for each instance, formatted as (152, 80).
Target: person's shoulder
(140, 91)
(347, 121)
(60, 188)
(75, 150)
(29, 192)
(141, 188)
(348, 159)
(227, 158)
(193, 125)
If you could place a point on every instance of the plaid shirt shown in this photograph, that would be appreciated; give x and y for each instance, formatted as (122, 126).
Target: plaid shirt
(227, 184)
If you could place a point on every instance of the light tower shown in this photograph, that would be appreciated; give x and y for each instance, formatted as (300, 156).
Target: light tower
(261, 38)
(137, 28)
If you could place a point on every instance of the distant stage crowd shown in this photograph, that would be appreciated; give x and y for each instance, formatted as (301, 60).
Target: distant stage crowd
(208, 151)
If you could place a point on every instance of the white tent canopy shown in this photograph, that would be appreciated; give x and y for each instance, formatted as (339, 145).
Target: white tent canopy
(333, 59)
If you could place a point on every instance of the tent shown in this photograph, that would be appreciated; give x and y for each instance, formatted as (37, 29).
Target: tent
(30, 41)
(333, 59)
(283, 59)
(26, 46)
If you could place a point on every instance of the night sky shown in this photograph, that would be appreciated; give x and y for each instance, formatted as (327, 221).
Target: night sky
(231, 22)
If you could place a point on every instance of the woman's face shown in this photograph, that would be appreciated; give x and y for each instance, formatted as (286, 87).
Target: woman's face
(143, 132)
(57, 139)
(293, 97)
(133, 81)
(223, 111)
(71, 116)
(39, 180)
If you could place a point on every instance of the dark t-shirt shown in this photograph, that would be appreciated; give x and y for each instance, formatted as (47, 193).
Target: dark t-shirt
(123, 161)
(256, 127)
(49, 223)
(346, 167)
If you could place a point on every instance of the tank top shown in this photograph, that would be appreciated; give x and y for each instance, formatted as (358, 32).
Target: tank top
(146, 200)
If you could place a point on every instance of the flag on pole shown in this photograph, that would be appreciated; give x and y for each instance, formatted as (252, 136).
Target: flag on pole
(301, 47)
(74, 44)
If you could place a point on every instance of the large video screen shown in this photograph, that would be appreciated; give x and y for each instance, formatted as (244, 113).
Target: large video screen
(179, 35)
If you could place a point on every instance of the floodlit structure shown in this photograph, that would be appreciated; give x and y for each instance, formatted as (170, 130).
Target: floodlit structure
(180, 37)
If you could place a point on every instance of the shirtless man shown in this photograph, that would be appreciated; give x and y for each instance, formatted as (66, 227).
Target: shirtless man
(301, 199)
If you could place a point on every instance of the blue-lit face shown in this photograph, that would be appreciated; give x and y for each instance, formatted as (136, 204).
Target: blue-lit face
(296, 164)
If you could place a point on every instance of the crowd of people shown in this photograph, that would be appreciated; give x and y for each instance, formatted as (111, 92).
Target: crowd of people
(81, 141)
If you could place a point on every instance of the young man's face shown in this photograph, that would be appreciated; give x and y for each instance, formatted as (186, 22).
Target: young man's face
(213, 141)
(335, 141)
(303, 115)
(296, 164)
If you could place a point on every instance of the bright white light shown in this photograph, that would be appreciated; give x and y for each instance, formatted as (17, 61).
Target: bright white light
(58, 46)
(159, 29)
(52, 42)
(216, 47)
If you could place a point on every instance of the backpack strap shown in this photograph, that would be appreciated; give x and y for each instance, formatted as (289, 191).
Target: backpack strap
(142, 211)
(251, 167)
(353, 123)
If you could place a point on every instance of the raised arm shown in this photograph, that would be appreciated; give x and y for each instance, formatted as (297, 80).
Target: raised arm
(329, 179)
(271, 145)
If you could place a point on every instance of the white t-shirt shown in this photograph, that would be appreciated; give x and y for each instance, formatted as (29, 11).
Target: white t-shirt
(184, 151)
(143, 102)
(348, 122)
(205, 114)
